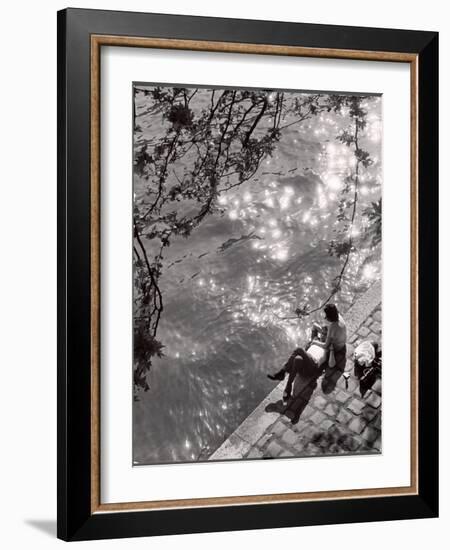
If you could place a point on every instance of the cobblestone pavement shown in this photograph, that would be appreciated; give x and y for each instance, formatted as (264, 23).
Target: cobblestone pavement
(338, 422)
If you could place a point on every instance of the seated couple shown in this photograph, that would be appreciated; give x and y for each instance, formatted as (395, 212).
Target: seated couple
(318, 355)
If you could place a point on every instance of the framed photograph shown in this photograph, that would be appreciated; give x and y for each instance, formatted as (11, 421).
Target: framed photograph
(247, 255)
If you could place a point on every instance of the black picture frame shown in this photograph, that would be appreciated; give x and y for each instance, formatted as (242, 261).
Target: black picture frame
(77, 517)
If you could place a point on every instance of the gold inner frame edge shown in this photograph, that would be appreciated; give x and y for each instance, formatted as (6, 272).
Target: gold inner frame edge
(232, 47)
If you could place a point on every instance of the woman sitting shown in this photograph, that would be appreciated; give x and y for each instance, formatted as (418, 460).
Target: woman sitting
(336, 340)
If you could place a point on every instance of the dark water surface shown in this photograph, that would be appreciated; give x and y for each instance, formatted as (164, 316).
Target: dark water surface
(229, 287)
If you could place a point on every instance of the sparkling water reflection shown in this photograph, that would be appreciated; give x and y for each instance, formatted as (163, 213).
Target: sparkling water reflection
(231, 288)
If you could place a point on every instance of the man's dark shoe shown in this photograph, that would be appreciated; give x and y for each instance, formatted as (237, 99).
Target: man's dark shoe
(278, 375)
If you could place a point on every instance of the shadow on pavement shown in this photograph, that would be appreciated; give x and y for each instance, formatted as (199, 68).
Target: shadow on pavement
(304, 387)
(331, 378)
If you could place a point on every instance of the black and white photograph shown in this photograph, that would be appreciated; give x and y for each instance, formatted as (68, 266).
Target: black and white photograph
(225, 275)
(257, 235)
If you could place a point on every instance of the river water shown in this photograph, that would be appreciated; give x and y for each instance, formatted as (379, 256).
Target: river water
(231, 288)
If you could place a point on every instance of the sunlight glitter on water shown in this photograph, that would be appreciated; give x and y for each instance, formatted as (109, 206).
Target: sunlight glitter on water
(229, 304)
